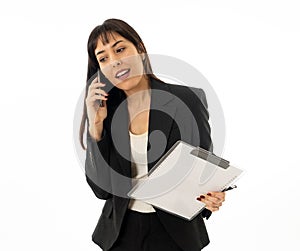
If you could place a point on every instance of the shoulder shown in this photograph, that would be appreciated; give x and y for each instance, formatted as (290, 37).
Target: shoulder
(188, 94)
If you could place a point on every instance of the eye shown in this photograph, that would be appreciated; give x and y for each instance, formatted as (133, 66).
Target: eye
(102, 60)
(120, 49)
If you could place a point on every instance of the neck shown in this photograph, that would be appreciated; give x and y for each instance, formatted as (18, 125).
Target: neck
(140, 95)
(143, 85)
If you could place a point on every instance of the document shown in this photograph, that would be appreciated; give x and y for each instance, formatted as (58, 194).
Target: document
(180, 176)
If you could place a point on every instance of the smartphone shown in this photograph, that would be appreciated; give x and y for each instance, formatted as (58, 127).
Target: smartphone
(99, 79)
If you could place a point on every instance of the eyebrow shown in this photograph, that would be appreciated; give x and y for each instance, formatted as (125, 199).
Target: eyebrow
(114, 45)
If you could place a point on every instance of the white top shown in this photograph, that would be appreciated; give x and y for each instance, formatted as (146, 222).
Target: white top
(139, 168)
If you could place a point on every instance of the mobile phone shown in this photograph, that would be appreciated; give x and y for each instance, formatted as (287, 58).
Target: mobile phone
(99, 100)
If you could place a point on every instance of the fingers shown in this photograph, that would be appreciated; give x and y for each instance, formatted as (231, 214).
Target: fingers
(210, 203)
(100, 92)
(97, 97)
(213, 200)
(96, 93)
(94, 86)
(96, 111)
(95, 81)
(100, 95)
(219, 195)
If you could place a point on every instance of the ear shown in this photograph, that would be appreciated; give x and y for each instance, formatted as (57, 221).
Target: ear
(140, 48)
(143, 56)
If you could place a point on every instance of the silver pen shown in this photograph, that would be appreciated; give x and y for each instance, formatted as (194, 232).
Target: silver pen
(229, 188)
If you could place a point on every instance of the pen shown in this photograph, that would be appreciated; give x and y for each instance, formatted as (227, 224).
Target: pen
(229, 188)
(98, 75)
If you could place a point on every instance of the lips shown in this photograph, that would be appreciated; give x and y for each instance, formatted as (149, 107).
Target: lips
(122, 74)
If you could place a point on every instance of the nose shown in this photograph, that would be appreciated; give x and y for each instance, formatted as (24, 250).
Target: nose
(116, 63)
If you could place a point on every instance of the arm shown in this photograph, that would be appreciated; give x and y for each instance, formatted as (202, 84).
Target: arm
(97, 169)
(202, 120)
(212, 200)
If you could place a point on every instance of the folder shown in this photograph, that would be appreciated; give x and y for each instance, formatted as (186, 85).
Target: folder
(180, 176)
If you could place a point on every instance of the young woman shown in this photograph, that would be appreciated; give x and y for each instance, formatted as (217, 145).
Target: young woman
(141, 118)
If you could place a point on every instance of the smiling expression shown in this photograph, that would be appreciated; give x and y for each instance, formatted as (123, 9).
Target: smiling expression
(120, 62)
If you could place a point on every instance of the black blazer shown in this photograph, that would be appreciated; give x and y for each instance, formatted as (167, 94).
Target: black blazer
(180, 113)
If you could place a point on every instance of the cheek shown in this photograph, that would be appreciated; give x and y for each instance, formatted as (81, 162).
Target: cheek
(136, 64)
(139, 67)
(107, 73)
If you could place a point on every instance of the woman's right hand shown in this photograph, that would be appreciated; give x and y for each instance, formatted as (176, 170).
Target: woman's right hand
(95, 113)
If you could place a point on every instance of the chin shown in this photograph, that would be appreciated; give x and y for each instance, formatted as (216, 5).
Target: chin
(128, 84)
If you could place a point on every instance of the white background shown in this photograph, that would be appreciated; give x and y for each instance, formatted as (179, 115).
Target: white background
(248, 50)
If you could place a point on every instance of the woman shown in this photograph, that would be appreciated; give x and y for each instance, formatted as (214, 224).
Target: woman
(141, 118)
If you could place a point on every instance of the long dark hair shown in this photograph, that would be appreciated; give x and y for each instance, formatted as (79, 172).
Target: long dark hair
(103, 32)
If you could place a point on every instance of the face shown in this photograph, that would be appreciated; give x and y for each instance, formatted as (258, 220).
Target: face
(120, 62)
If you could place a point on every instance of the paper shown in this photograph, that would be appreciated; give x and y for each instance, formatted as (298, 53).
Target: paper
(179, 178)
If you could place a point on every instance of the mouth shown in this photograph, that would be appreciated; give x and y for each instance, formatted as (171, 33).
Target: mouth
(122, 74)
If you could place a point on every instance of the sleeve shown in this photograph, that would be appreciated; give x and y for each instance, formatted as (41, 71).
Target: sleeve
(206, 213)
(97, 169)
(203, 121)
(204, 130)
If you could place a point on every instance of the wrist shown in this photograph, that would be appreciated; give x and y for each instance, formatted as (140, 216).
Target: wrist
(95, 132)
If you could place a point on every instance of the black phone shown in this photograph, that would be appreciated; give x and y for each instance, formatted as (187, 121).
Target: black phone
(99, 79)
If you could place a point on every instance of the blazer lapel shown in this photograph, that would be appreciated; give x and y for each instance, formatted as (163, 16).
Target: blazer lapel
(158, 132)
(162, 112)
(120, 137)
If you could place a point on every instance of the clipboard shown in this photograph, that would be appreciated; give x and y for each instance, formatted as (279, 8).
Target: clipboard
(180, 176)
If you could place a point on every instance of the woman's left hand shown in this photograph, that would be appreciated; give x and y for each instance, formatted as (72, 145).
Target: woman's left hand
(213, 200)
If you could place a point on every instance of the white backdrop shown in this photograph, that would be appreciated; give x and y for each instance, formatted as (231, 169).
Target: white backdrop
(248, 50)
